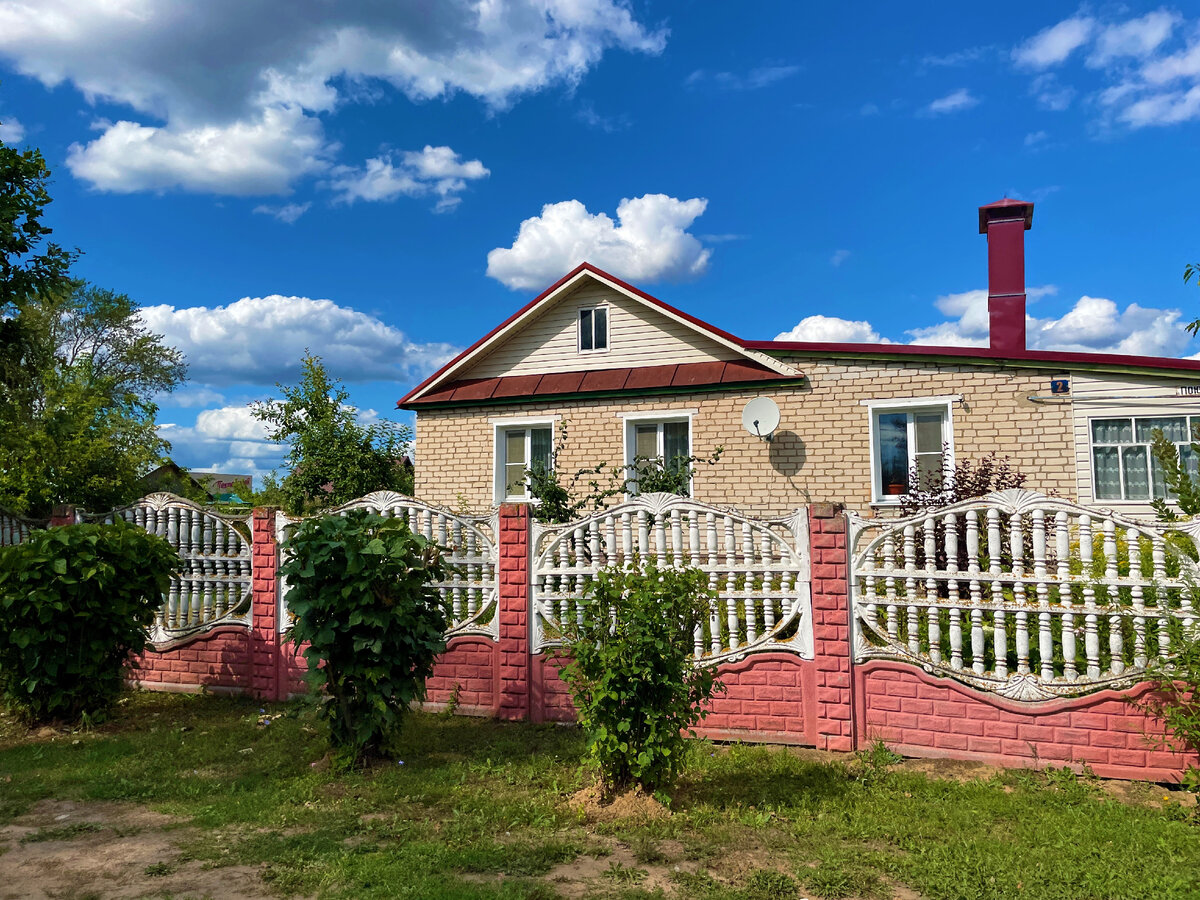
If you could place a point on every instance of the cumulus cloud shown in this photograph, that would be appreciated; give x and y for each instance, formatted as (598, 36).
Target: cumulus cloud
(246, 157)
(433, 170)
(955, 101)
(1034, 138)
(1053, 45)
(1149, 75)
(260, 340)
(1092, 325)
(839, 257)
(11, 130)
(226, 439)
(648, 242)
(288, 212)
(223, 78)
(832, 330)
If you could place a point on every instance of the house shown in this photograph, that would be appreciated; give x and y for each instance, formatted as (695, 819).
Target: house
(206, 486)
(630, 375)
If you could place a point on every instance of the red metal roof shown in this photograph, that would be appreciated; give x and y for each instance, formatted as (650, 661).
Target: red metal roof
(684, 375)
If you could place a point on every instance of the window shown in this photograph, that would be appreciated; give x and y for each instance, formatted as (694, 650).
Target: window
(1123, 468)
(905, 438)
(519, 450)
(593, 328)
(657, 444)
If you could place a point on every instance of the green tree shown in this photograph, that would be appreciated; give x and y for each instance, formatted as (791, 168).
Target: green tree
(332, 457)
(1192, 270)
(77, 417)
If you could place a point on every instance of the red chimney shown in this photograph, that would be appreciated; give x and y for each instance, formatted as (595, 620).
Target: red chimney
(1005, 223)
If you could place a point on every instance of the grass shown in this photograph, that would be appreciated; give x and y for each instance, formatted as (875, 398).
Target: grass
(477, 810)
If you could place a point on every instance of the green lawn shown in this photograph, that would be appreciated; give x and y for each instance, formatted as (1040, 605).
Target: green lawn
(479, 809)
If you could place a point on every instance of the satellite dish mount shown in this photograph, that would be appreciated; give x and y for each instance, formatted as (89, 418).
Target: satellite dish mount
(761, 418)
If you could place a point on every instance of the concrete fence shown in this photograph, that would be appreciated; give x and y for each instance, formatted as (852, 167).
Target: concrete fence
(835, 690)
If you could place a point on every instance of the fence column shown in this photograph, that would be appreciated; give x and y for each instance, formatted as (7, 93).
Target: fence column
(831, 627)
(512, 653)
(266, 679)
(62, 514)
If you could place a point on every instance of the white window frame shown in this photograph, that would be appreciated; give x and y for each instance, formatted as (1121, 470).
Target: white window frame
(1157, 413)
(607, 328)
(500, 457)
(943, 404)
(659, 418)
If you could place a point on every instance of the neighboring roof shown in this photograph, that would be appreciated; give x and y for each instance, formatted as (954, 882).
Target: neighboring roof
(561, 288)
(600, 382)
(443, 388)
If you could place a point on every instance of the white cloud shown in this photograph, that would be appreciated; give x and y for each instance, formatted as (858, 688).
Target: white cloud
(839, 257)
(228, 439)
(433, 170)
(956, 101)
(1034, 138)
(588, 116)
(260, 340)
(1148, 77)
(832, 330)
(211, 73)
(191, 396)
(11, 131)
(1092, 325)
(760, 77)
(868, 109)
(1053, 45)
(648, 242)
(247, 157)
(288, 212)
(1136, 38)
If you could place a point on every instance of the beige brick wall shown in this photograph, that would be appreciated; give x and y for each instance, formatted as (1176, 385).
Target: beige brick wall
(820, 454)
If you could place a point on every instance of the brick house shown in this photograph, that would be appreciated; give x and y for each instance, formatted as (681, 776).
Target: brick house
(632, 376)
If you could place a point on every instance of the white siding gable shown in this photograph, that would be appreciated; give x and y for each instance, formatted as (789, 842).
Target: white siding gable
(637, 336)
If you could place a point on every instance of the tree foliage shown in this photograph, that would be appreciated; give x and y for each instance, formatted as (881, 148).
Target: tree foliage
(75, 603)
(363, 600)
(332, 458)
(631, 671)
(1184, 490)
(560, 500)
(1192, 270)
(965, 481)
(77, 416)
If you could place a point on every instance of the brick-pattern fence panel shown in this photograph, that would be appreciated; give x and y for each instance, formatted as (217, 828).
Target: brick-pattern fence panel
(220, 660)
(920, 715)
(834, 729)
(467, 672)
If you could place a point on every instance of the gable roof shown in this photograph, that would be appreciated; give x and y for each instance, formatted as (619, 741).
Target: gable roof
(452, 371)
(762, 364)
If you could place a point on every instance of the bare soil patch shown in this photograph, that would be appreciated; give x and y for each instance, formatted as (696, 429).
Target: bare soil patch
(109, 850)
(632, 804)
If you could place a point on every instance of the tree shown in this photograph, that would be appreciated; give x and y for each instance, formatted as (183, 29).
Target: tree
(1192, 270)
(76, 412)
(332, 457)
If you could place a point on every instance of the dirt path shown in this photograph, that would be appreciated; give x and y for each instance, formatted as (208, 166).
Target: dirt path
(61, 849)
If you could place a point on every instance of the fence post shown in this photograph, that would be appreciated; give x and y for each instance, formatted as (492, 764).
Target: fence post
(831, 627)
(266, 681)
(512, 653)
(62, 514)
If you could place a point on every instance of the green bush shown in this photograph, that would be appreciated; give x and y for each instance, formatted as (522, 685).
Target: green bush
(1175, 695)
(631, 671)
(363, 600)
(75, 604)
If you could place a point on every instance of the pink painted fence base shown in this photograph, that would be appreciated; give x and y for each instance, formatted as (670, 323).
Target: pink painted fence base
(825, 702)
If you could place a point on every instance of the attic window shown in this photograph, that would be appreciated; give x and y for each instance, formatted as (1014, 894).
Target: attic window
(593, 329)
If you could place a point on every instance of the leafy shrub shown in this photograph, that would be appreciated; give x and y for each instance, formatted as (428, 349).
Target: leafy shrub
(966, 481)
(364, 601)
(1175, 695)
(75, 603)
(631, 671)
(1184, 490)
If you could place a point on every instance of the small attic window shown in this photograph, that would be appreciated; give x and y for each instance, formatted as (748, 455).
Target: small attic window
(593, 329)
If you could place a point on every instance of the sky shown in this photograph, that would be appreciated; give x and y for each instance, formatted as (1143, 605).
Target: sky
(382, 183)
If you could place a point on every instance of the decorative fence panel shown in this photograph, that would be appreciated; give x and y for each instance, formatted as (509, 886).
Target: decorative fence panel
(758, 569)
(1020, 594)
(14, 529)
(469, 544)
(212, 587)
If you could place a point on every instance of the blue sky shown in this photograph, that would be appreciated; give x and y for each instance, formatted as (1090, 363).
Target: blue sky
(383, 183)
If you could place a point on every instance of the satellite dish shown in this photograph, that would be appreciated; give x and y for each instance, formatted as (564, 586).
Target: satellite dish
(761, 417)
